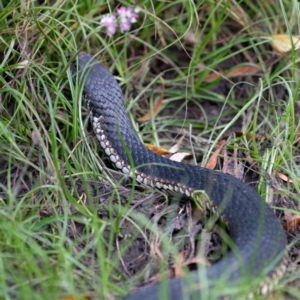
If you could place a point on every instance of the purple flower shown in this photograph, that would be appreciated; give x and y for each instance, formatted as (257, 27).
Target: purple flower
(127, 16)
(124, 25)
(122, 11)
(109, 21)
(131, 17)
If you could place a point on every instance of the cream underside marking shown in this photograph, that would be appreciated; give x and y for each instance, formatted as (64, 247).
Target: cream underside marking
(266, 285)
(113, 158)
(118, 165)
(125, 168)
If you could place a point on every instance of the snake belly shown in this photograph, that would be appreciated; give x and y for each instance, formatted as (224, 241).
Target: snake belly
(258, 237)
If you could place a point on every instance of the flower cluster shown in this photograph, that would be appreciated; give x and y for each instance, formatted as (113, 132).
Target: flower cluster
(126, 17)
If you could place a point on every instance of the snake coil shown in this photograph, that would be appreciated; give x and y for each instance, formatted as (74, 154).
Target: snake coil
(258, 237)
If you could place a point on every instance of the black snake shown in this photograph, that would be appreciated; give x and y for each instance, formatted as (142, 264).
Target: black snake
(257, 234)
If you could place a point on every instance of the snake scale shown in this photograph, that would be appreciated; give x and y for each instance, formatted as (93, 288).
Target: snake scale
(258, 237)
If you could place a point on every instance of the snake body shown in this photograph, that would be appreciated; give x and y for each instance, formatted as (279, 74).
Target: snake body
(258, 237)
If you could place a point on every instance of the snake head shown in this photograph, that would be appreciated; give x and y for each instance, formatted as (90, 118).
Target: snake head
(101, 92)
(93, 75)
(82, 63)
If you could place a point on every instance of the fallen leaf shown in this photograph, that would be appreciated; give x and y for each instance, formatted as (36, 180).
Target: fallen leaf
(176, 147)
(178, 265)
(238, 71)
(180, 262)
(157, 150)
(285, 178)
(180, 156)
(291, 224)
(212, 162)
(282, 42)
(221, 143)
(22, 64)
(173, 150)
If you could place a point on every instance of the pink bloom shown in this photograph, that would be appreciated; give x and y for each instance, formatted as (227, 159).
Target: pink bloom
(109, 21)
(126, 13)
(127, 16)
(122, 11)
(130, 15)
(111, 30)
(124, 25)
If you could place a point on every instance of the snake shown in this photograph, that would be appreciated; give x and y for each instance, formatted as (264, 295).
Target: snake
(258, 238)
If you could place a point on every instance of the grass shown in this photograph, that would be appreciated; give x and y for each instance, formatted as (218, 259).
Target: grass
(61, 209)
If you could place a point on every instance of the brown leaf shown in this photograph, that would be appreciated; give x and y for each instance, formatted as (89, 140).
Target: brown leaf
(180, 262)
(156, 106)
(173, 150)
(284, 178)
(212, 162)
(157, 150)
(291, 224)
(238, 71)
(178, 265)
(221, 143)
